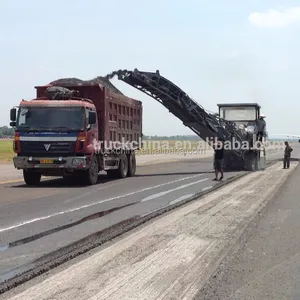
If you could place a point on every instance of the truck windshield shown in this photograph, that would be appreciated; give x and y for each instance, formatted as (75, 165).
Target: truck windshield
(51, 118)
(239, 114)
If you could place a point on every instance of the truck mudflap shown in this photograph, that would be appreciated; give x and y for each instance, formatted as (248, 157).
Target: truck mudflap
(66, 163)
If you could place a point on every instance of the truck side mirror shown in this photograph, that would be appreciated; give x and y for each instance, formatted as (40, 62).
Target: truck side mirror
(13, 114)
(92, 117)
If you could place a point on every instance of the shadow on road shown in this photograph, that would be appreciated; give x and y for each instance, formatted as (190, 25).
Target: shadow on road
(58, 182)
(63, 183)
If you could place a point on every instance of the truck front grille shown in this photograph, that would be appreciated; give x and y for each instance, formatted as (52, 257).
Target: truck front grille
(47, 148)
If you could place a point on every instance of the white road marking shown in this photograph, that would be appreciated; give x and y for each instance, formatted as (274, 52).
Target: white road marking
(207, 188)
(181, 199)
(101, 188)
(154, 196)
(93, 204)
(94, 191)
(189, 195)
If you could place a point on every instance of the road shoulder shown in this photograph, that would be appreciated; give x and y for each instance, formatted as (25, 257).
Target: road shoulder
(266, 263)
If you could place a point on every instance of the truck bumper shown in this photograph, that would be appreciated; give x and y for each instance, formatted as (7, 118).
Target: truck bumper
(48, 163)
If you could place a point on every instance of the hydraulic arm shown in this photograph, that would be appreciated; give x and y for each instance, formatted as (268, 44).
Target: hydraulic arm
(207, 126)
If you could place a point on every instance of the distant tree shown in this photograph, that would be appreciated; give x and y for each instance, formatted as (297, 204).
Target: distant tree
(6, 132)
(172, 137)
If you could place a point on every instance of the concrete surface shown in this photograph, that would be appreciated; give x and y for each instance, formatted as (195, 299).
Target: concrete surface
(171, 257)
(266, 265)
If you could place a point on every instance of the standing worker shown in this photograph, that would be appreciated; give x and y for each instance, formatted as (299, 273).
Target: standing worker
(261, 127)
(287, 155)
(218, 160)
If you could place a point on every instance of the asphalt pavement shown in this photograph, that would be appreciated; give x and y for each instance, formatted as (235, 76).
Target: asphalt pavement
(172, 256)
(29, 211)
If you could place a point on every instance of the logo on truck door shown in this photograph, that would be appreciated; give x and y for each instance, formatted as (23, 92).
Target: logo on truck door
(47, 146)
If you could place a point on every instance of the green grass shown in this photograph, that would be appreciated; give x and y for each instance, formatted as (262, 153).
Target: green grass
(6, 151)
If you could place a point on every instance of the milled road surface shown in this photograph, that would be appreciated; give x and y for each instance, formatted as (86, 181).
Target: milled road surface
(266, 265)
(25, 211)
(168, 258)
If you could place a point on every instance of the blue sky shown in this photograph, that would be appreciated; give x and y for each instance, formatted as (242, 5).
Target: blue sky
(216, 51)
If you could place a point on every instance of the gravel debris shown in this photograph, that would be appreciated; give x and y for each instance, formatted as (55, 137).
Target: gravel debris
(76, 81)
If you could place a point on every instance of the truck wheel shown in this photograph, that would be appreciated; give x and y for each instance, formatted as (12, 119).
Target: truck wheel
(91, 175)
(123, 166)
(32, 178)
(131, 165)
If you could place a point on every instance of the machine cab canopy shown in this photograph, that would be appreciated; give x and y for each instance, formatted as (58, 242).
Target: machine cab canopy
(239, 112)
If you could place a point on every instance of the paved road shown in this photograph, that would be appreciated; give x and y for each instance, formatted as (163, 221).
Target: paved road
(9, 174)
(26, 211)
(169, 258)
(267, 264)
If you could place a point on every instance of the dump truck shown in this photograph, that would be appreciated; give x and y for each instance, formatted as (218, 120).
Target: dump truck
(76, 130)
(236, 124)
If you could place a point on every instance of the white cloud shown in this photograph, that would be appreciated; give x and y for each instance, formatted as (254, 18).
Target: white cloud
(275, 18)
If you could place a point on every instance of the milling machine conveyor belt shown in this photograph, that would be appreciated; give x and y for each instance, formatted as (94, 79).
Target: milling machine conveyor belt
(206, 126)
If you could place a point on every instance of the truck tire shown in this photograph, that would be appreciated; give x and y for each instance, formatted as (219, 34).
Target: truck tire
(91, 175)
(32, 178)
(131, 165)
(123, 166)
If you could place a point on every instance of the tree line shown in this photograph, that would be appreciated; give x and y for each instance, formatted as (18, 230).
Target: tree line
(8, 132)
(172, 138)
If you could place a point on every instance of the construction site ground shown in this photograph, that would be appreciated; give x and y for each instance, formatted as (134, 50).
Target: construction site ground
(174, 256)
